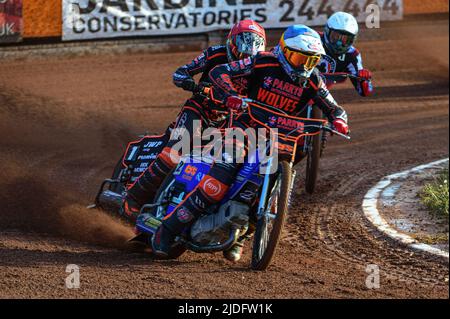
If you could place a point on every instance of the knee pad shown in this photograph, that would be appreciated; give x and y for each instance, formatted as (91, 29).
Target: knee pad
(224, 172)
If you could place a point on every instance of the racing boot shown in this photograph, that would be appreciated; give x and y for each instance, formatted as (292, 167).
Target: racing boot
(130, 208)
(145, 187)
(234, 253)
(210, 191)
(171, 227)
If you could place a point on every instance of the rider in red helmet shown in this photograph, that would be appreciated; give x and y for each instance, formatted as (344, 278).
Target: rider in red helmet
(245, 39)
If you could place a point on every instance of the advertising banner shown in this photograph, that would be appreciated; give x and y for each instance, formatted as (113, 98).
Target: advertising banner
(88, 19)
(10, 21)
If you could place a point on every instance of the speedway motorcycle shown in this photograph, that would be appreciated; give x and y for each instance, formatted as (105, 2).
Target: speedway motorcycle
(314, 145)
(269, 183)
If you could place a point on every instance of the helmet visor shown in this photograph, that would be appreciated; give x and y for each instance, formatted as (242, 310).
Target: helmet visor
(342, 40)
(298, 59)
(249, 44)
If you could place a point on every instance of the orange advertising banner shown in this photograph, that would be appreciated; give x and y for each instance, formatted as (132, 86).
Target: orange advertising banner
(10, 21)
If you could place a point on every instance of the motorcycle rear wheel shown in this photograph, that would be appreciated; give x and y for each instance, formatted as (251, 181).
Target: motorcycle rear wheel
(265, 240)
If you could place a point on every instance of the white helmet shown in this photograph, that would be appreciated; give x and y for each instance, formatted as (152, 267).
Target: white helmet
(341, 32)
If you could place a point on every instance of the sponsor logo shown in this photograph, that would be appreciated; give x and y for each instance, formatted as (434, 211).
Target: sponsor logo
(327, 64)
(182, 120)
(184, 215)
(152, 222)
(212, 187)
(199, 202)
(153, 144)
(147, 157)
(247, 61)
(199, 177)
(290, 124)
(267, 82)
(277, 100)
(287, 87)
(247, 195)
(314, 46)
(241, 85)
(190, 170)
(234, 66)
(272, 120)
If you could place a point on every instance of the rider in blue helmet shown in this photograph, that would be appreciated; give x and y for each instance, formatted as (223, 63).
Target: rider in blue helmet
(286, 79)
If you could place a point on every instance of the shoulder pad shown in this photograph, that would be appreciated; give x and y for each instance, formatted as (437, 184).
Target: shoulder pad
(216, 49)
(266, 57)
(353, 51)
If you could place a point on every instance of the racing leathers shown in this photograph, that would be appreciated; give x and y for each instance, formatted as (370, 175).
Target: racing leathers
(269, 82)
(350, 62)
(196, 110)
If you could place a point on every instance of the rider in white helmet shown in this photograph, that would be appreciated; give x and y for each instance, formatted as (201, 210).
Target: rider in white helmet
(340, 33)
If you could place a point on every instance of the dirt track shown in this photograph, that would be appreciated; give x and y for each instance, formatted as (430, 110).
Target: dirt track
(64, 123)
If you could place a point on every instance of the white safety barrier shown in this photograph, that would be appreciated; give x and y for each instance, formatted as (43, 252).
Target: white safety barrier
(373, 215)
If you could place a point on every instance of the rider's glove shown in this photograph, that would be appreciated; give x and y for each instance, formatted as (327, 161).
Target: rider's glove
(189, 85)
(234, 103)
(365, 74)
(341, 126)
(366, 85)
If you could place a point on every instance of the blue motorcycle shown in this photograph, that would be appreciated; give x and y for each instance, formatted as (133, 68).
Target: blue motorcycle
(259, 198)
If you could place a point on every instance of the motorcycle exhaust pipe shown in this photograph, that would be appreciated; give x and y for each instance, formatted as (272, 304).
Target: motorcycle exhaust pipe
(109, 200)
(234, 235)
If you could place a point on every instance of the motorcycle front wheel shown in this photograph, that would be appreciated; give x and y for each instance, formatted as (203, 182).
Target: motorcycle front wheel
(270, 224)
(313, 157)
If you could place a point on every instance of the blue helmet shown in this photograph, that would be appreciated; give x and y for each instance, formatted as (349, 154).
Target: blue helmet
(302, 49)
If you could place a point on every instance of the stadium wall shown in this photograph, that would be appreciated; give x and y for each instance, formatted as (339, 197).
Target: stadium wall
(43, 18)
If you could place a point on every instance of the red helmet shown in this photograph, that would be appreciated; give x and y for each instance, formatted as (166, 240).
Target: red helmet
(245, 39)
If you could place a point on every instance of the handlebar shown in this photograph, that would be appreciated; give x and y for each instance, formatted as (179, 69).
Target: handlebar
(332, 130)
(203, 89)
(321, 127)
(342, 76)
(326, 128)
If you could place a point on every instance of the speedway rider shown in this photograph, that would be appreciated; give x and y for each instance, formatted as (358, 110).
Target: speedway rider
(340, 33)
(246, 38)
(289, 73)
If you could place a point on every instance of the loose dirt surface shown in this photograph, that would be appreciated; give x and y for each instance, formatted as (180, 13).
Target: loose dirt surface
(65, 122)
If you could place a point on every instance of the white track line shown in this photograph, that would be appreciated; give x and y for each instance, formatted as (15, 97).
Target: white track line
(373, 215)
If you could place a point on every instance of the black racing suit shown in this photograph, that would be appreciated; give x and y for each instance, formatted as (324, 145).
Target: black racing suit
(267, 83)
(197, 108)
